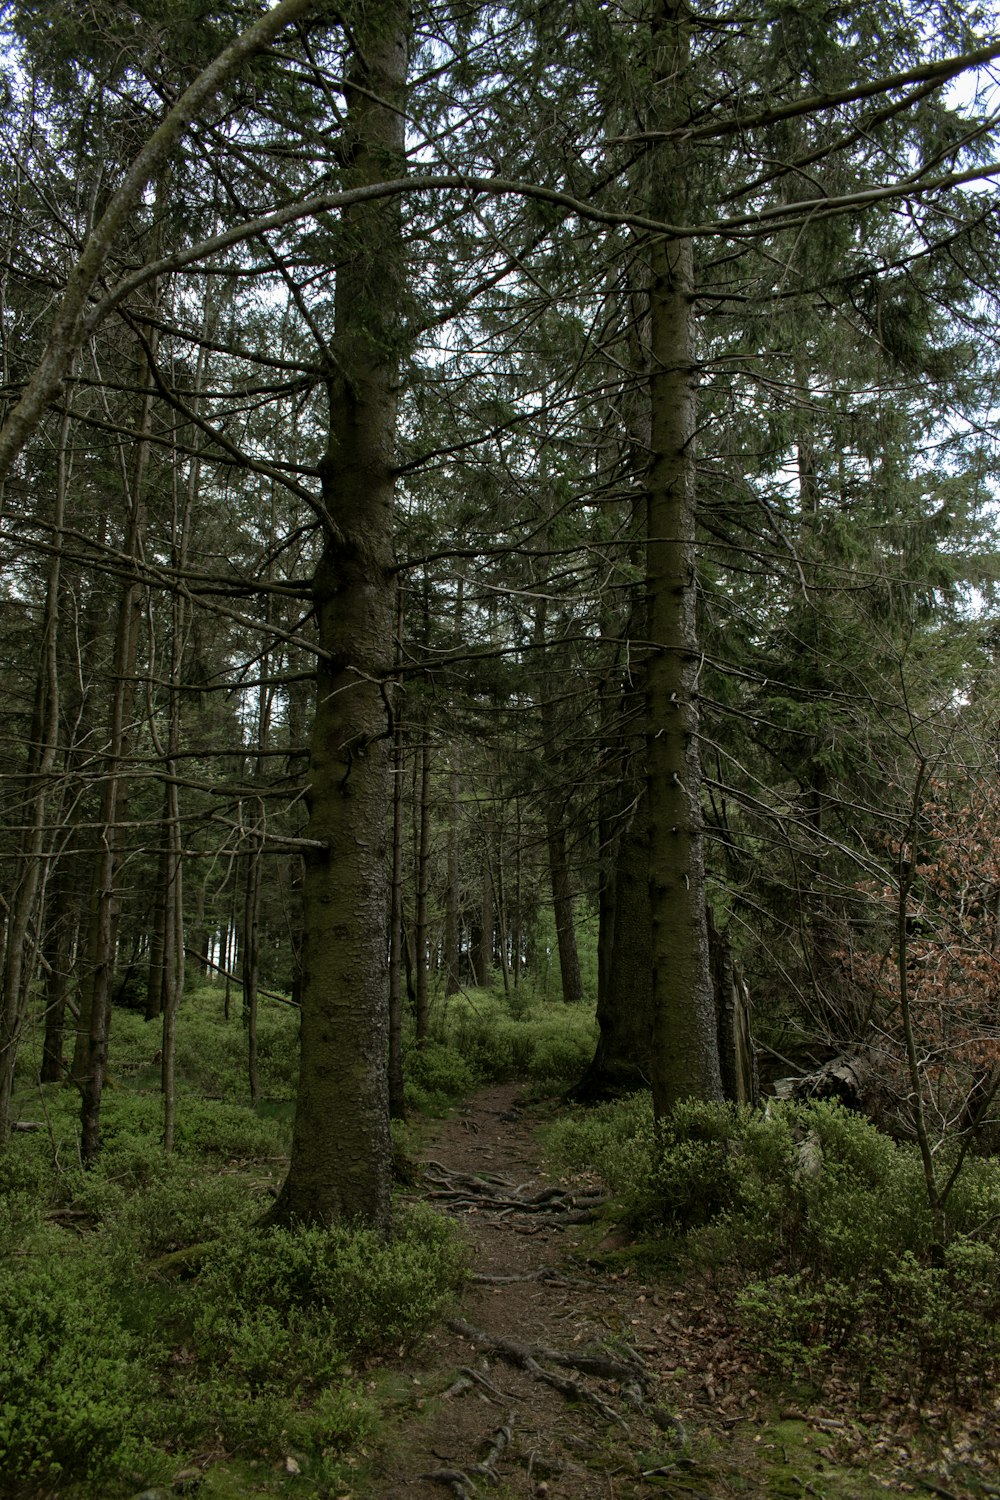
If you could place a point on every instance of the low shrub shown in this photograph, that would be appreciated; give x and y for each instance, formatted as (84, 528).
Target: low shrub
(825, 1226)
(501, 1038)
(104, 1371)
(279, 1316)
(212, 1052)
(233, 1132)
(75, 1393)
(183, 1207)
(362, 1294)
(436, 1074)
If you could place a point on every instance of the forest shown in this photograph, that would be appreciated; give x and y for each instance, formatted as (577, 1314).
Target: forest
(498, 512)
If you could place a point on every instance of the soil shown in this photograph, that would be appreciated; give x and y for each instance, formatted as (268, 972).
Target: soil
(617, 1382)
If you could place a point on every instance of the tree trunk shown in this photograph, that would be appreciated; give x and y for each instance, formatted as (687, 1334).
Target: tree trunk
(63, 925)
(420, 923)
(90, 1058)
(685, 1051)
(737, 1059)
(562, 907)
(173, 945)
(249, 964)
(622, 1062)
(482, 954)
(341, 1163)
(18, 954)
(555, 825)
(452, 926)
(157, 938)
(453, 896)
(397, 1104)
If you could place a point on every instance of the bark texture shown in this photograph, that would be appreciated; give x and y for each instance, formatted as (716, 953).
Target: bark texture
(622, 1061)
(340, 1164)
(685, 1049)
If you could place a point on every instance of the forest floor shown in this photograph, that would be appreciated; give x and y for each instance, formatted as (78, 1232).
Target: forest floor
(571, 1371)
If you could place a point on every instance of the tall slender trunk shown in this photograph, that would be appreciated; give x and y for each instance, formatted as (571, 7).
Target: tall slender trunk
(173, 910)
(157, 938)
(22, 911)
(420, 916)
(555, 826)
(173, 946)
(562, 907)
(452, 922)
(516, 911)
(227, 951)
(397, 1105)
(685, 1050)
(250, 960)
(63, 922)
(482, 955)
(340, 1161)
(90, 1058)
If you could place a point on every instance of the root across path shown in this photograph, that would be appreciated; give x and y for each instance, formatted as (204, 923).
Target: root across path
(535, 1388)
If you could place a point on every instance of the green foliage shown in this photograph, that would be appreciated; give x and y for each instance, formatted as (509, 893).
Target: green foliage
(482, 1036)
(499, 1038)
(211, 1051)
(24, 1184)
(617, 1140)
(19, 1216)
(544, 980)
(229, 1131)
(278, 1315)
(436, 1074)
(362, 1294)
(183, 1207)
(109, 1357)
(247, 1343)
(73, 1387)
(824, 1223)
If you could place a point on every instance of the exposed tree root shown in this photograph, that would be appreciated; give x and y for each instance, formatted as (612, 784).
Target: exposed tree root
(488, 1193)
(455, 1480)
(603, 1365)
(631, 1376)
(460, 1481)
(501, 1440)
(548, 1274)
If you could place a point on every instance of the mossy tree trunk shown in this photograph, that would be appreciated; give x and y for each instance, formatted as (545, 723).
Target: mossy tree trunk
(340, 1164)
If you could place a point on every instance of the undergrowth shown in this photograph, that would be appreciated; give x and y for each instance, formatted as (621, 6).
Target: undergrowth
(821, 1224)
(119, 1356)
(144, 1317)
(482, 1036)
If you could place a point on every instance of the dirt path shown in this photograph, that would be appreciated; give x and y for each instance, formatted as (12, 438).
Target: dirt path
(665, 1400)
(474, 1405)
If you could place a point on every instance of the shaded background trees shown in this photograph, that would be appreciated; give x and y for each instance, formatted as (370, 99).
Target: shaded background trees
(613, 572)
